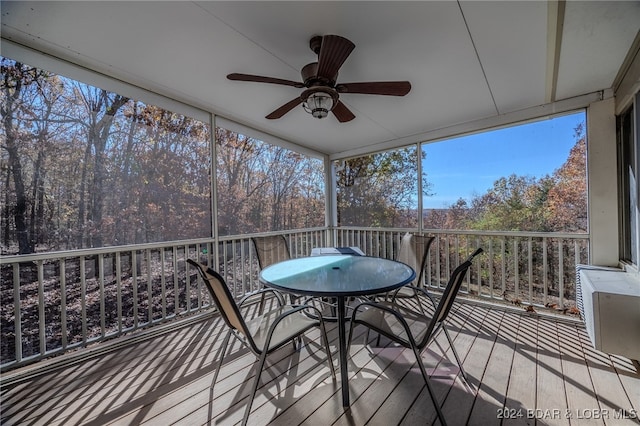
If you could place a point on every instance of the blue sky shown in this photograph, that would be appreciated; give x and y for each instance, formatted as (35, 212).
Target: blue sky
(468, 166)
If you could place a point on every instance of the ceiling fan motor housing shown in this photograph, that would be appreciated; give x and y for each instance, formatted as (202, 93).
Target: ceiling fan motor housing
(311, 78)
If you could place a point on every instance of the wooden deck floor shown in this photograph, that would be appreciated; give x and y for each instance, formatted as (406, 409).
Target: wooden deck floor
(540, 371)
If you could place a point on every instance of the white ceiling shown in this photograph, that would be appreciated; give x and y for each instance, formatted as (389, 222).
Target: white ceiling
(466, 61)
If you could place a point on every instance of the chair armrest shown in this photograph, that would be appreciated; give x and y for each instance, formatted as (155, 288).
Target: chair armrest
(262, 293)
(295, 309)
(418, 291)
(376, 306)
(424, 293)
(388, 310)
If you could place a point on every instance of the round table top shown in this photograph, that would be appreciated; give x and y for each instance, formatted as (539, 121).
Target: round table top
(338, 275)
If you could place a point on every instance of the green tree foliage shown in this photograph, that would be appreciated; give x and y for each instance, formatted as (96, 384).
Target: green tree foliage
(380, 190)
(567, 198)
(552, 203)
(515, 203)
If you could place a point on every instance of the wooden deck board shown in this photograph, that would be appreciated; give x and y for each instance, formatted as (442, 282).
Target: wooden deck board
(458, 409)
(611, 394)
(421, 411)
(521, 390)
(576, 374)
(492, 390)
(551, 393)
(515, 360)
(411, 386)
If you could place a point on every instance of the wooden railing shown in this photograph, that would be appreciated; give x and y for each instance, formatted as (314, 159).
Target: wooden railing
(525, 268)
(54, 302)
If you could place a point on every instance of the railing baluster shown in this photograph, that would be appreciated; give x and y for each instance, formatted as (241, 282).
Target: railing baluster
(134, 286)
(83, 298)
(479, 269)
(63, 303)
(530, 267)
(176, 289)
(103, 327)
(490, 266)
(243, 268)
(516, 269)
(163, 282)
(560, 274)
(119, 291)
(447, 243)
(438, 260)
(503, 264)
(97, 278)
(17, 311)
(41, 317)
(545, 272)
(149, 288)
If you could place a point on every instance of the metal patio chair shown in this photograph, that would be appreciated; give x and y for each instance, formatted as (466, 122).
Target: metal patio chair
(271, 249)
(412, 329)
(264, 333)
(414, 251)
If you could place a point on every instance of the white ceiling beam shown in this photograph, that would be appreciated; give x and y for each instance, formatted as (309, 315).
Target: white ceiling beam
(555, 25)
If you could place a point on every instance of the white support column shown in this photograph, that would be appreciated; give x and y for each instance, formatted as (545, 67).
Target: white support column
(331, 200)
(602, 182)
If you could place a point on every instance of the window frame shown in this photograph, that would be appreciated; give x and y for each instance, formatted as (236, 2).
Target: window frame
(628, 187)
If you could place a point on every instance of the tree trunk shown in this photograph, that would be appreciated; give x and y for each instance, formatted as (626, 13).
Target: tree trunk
(82, 224)
(98, 135)
(6, 211)
(20, 213)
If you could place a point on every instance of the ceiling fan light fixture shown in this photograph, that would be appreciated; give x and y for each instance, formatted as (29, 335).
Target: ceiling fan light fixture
(318, 104)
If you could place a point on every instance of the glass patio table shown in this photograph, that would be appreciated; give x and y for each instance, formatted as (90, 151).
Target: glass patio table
(339, 277)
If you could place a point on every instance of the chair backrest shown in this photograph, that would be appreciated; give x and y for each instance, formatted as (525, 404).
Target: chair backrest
(449, 295)
(222, 297)
(271, 249)
(414, 251)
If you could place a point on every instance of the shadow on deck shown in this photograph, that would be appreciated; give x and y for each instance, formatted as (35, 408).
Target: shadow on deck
(524, 369)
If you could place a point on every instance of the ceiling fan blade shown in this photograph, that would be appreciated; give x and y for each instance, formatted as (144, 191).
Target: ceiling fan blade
(342, 113)
(333, 52)
(389, 88)
(261, 79)
(278, 113)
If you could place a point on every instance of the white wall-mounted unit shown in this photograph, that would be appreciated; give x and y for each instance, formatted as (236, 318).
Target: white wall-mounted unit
(609, 301)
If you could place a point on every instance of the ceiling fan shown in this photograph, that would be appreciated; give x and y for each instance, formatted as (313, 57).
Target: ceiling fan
(322, 93)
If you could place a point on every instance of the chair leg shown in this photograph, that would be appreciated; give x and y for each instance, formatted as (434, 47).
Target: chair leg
(366, 336)
(426, 381)
(455, 354)
(262, 299)
(222, 351)
(349, 337)
(419, 302)
(325, 340)
(256, 382)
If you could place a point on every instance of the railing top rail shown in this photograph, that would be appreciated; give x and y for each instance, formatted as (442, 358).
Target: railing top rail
(34, 257)
(576, 235)
(93, 251)
(136, 247)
